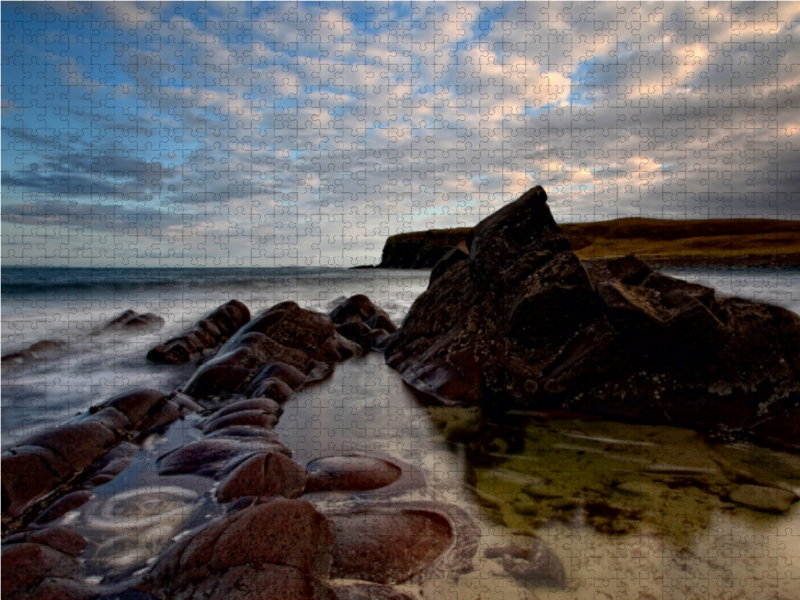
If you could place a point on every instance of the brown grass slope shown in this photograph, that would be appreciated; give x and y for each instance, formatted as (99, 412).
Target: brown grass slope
(724, 241)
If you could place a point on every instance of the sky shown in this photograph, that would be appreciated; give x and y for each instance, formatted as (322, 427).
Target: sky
(304, 134)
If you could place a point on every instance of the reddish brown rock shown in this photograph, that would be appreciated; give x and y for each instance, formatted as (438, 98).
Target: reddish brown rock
(210, 457)
(388, 547)
(111, 464)
(288, 374)
(59, 588)
(62, 539)
(25, 565)
(63, 505)
(369, 591)
(211, 332)
(350, 473)
(245, 431)
(271, 388)
(521, 323)
(136, 405)
(263, 474)
(257, 418)
(26, 479)
(358, 319)
(283, 546)
(238, 363)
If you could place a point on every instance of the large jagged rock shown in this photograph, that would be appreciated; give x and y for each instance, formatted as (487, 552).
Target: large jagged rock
(517, 321)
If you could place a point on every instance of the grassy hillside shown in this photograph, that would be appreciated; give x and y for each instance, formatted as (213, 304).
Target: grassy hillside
(701, 239)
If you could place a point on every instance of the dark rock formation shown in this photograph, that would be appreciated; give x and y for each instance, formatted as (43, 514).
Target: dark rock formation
(519, 322)
(207, 334)
(42, 565)
(130, 321)
(419, 249)
(89, 451)
(359, 320)
(273, 355)
(39, 351)
(350, 473)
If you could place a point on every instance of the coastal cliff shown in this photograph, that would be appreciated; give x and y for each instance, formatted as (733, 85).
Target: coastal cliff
(658, 241)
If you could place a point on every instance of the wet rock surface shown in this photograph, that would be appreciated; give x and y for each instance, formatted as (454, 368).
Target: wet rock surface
(208, 333)
(42, 468)
(520, 323)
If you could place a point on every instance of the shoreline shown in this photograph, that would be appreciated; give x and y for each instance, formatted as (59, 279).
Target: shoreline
(745, 261)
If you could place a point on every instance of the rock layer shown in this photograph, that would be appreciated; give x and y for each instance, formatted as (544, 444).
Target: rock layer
(517, 321)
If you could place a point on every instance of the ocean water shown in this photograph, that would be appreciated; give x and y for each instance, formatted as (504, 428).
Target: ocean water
(631, 511)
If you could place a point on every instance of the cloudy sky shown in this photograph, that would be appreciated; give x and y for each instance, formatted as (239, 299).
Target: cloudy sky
(261, 134)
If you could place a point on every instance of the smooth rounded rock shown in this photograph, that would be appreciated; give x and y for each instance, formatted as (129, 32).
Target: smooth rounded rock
(263, 474)
(208, 457)
(385, 547)
(257, 418)
(350, 473)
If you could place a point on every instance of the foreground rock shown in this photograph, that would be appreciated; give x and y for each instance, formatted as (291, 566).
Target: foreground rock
(88, 451)
(517, 321)
(209, 333)
(283, 546)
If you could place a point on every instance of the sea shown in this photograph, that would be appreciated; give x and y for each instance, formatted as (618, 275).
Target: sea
(631, 511)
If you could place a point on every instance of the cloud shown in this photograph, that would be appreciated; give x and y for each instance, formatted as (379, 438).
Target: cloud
(307, 131)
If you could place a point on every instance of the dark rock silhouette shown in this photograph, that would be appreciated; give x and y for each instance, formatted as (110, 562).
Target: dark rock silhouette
(517, 321)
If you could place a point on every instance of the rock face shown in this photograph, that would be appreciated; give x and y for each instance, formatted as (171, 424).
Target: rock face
(517, 321)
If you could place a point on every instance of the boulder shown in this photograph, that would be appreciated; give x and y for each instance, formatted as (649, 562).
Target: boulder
(279, 545)
(209, 333)
(40, 350)
(521, 323)
(359, 320)
(263, 474)
(130, 321)
(350, 474)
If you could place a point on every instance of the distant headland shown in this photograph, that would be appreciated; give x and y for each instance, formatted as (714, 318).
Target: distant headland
(663, 242)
